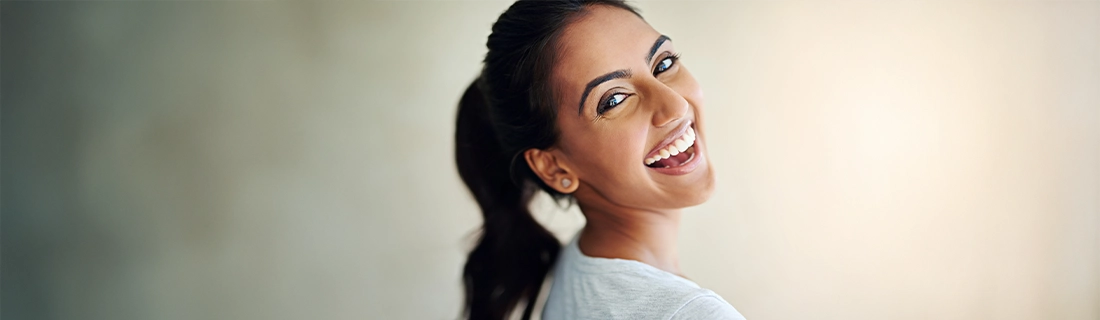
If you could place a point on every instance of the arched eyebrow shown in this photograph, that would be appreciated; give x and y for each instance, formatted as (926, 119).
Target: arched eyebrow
(656, 45)
(618, 74)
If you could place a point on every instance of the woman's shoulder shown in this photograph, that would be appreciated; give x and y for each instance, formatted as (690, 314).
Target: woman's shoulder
(707, 306)
(573, 265)
(637, 294)
(601, 288)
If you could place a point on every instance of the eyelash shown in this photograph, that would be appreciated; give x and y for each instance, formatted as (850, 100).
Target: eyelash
(605, 104)
(674, 57)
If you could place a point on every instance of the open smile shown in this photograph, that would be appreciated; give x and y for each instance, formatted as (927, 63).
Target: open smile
(676, 154)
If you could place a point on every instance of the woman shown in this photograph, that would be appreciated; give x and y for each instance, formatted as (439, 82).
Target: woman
(585, 101)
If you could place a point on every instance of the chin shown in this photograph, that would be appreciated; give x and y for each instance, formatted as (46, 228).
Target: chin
(695, 193)
(703, 189)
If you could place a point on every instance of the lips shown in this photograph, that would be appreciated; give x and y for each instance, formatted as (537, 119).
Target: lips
(675, 150)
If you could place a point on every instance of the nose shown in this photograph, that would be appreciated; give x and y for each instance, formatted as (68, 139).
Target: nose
(668, 105)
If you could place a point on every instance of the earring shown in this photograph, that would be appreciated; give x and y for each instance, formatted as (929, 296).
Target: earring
(566, 182)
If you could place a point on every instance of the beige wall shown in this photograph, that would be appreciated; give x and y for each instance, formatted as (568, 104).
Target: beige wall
(876, 160)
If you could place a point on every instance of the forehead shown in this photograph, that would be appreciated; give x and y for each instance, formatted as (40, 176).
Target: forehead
(602, 40)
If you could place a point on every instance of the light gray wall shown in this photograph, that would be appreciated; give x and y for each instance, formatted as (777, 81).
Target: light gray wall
(243, 160)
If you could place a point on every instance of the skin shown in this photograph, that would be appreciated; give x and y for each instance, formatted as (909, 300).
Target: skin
(632, 211)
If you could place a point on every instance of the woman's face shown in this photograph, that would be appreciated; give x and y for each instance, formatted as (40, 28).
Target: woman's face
(629, 115)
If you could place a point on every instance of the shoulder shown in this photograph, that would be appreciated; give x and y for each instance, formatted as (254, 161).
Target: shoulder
(598, 288)
(632, 292)
(707, 306)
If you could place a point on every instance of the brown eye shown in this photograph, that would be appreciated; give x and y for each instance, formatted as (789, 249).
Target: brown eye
(665, 64)
(611, 102)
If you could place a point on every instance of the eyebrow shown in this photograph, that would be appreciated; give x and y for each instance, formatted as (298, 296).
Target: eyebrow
(656, 45)
(618, 74)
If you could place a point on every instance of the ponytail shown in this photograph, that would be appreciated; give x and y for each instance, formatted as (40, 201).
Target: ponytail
(509, 109)
(514, 252)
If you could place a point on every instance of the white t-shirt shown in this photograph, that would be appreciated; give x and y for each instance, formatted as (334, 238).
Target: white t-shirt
(600, 288)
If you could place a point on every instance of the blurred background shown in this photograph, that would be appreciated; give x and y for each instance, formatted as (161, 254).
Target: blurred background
(256, 160)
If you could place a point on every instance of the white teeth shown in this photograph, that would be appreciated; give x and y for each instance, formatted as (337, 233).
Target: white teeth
(677, 146)
(681, 144)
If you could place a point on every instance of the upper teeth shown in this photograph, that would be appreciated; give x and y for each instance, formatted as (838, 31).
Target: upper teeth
(676, 147)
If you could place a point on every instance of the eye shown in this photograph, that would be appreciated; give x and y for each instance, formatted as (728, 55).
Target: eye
(611, 102)
(665, 64)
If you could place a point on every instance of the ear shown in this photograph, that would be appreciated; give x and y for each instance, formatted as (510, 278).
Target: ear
(552, 170)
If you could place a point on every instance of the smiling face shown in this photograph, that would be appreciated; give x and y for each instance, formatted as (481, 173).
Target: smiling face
(629, 118)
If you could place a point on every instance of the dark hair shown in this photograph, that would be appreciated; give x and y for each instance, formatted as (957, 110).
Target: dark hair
(508, 109)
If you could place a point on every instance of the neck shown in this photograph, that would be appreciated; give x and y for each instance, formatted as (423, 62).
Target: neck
(645, 236)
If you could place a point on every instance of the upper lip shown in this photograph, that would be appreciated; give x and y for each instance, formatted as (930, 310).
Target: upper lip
(672, 136)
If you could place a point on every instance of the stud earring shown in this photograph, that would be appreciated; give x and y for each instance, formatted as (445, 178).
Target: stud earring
(566, 182)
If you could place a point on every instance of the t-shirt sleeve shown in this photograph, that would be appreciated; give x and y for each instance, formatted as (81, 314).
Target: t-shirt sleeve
(707, 307)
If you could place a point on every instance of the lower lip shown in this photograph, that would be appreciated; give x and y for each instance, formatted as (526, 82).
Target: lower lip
(685, 168)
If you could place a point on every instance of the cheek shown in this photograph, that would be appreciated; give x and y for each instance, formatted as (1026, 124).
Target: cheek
(613, 156)
(621, 148)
